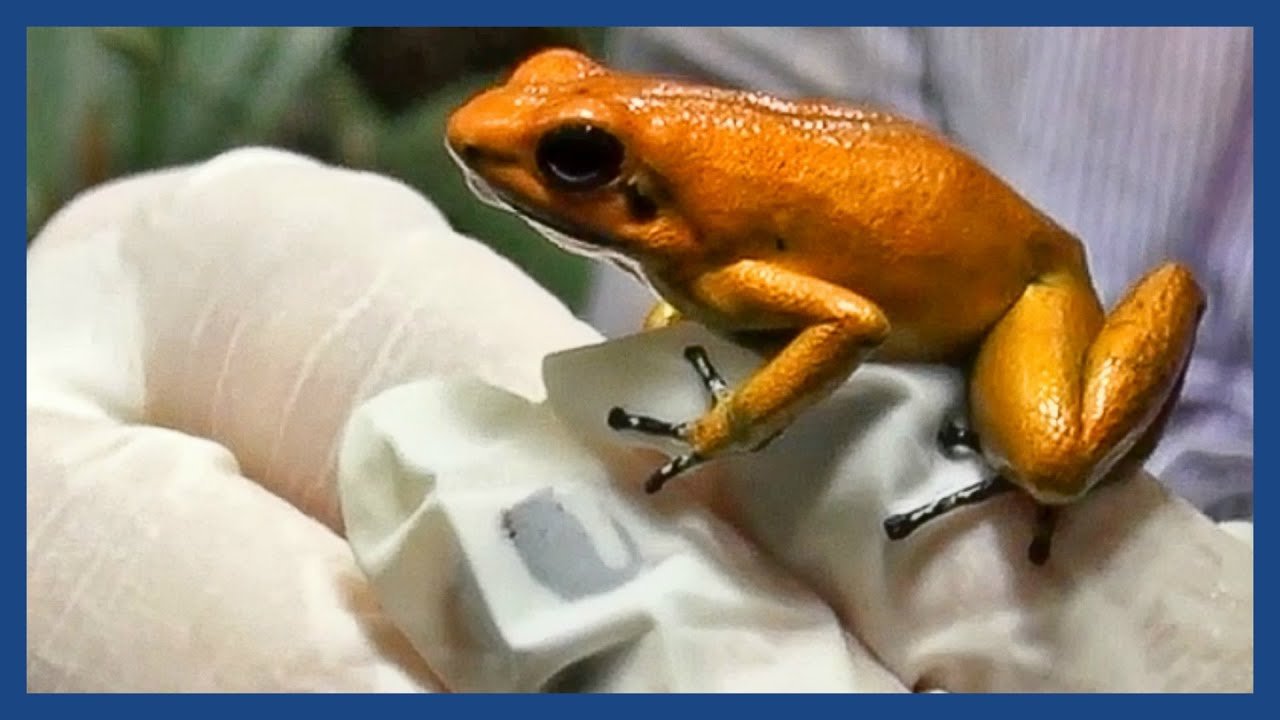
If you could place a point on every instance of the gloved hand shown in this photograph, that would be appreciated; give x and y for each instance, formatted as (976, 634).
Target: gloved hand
(198, 338)
(1141, 592)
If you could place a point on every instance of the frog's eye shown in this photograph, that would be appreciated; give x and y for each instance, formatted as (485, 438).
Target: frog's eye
(580, 157)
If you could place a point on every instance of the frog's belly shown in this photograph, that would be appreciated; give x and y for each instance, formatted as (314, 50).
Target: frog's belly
(937, 327)
(926, 345)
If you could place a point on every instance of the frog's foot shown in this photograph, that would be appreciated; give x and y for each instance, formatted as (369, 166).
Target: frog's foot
(953, 435)
(1042, 537)
(901, 525)
(717, 389)
(670, 469)
(620, 419)
(711, 379)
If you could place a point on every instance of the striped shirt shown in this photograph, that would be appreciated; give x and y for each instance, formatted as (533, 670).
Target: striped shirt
(1138, 140)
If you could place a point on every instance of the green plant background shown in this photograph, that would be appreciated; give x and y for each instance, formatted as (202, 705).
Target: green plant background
(106, 102)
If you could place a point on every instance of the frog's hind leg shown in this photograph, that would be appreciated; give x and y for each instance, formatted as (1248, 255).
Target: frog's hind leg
(1059, 393)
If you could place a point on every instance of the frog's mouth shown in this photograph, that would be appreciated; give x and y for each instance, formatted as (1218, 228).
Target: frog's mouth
(569, 236)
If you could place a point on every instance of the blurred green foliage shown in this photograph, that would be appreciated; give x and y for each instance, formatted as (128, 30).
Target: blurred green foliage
(105, 102)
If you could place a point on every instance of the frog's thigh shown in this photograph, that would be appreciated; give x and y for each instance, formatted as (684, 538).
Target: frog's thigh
(1136, 365)
(1059, 393)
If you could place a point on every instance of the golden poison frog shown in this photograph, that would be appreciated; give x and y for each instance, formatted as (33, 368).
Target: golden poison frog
(825, 235)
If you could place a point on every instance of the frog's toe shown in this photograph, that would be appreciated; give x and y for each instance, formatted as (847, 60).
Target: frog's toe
(901, 525)
(620, 419)
(953, 436)
(623, 420)
(711, 378)
(671, 469)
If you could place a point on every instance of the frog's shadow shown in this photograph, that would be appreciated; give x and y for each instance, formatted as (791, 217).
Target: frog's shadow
(795, 474)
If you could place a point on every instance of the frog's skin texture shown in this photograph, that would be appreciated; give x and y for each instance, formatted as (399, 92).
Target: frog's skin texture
(831, 234)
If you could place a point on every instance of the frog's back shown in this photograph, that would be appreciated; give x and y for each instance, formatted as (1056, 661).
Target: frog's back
(865, 199)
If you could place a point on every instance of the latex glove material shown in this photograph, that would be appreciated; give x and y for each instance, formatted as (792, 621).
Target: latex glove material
(514, 563)
(1142, 593)
(195, 340)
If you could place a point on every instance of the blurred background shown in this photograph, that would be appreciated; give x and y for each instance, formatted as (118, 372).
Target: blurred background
(106, 102)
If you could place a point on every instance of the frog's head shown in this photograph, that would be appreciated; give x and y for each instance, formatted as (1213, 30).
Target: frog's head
(565, 144)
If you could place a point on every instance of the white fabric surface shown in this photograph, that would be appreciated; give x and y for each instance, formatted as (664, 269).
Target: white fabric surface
(1143, 593)
(195, 340)
(514, 564)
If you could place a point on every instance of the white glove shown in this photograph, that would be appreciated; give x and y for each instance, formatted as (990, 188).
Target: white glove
(194, 329)
(196, 340)
(1142, 592)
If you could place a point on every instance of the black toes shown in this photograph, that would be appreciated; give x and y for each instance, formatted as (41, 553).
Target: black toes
(674, 467)
(1042, 540)
(1038, 551)
(711, 378)
(903, 524)
(620, 419)
(899, 526)
(952, 436)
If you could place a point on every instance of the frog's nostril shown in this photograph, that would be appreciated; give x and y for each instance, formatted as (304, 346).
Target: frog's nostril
(468, 153)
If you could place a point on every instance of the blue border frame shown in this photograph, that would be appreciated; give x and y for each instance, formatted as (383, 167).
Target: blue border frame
(653, 12)
(126, 12)
(1263, 387)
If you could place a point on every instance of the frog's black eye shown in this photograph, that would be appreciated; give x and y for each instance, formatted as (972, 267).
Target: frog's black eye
(579, 157)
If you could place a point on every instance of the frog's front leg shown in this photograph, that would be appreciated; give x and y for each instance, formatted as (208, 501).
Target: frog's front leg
(833, 329)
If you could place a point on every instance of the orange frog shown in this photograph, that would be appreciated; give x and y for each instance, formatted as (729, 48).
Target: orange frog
(826, 235)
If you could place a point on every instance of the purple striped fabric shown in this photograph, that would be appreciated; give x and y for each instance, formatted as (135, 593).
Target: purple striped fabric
(1139, 140)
